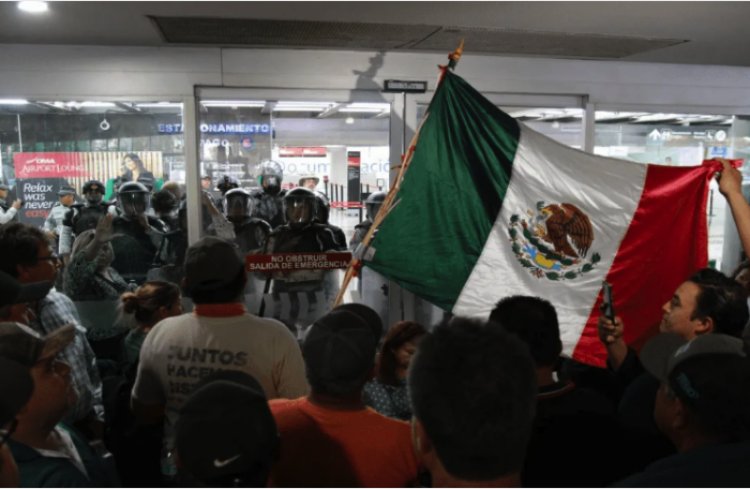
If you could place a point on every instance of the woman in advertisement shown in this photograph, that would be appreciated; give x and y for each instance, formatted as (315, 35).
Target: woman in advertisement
(133, 170)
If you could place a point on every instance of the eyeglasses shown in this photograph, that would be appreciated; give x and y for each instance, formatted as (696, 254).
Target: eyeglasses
(6, 433)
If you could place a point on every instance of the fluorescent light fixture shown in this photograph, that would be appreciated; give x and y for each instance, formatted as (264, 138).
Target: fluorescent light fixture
(234, 103)
(159, 105)
(293, 106)
(301, 108)
(33, 7)
(13, 101)
(366, 107)
(96, 104)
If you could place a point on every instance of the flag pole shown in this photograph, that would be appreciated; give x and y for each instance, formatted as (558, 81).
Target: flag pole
(356, 264)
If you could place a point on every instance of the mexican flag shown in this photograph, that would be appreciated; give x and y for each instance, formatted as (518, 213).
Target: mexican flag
(489, 208)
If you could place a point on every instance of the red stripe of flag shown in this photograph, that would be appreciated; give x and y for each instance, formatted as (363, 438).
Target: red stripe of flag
(669, 234)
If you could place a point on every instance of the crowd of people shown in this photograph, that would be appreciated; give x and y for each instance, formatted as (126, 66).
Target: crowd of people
(221, 397)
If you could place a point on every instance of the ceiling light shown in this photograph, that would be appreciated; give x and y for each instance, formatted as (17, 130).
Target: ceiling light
(33, 7)
(13, 101)
(294, 106)
(349, 120)
(234, 103)
(96, 104)
(159, 105)
(364, 107)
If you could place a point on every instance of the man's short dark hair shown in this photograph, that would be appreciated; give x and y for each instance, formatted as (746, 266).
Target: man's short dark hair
(473, 388)
(339, 353)
(534, 321)
(722, 299)
(19, 245)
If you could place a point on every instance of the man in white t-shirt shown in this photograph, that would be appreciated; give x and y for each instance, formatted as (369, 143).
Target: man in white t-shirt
(218, 335)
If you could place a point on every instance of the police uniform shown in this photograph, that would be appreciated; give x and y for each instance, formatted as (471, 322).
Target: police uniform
(137, 250)
(300, 297)
(269, 207)
(269, 199)
(79, 218)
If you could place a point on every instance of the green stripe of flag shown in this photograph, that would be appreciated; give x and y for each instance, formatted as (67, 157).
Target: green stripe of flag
(451, 195)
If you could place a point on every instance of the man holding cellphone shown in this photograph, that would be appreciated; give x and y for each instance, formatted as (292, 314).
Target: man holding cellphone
(708, 302)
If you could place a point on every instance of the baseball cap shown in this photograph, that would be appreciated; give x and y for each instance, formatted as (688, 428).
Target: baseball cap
(211, 263)
(225, 428)
(16, 387)
(14, 292)
(339, 348)
(4, 187)
(25, 346)
(668, 357)
(66, 191)
(369, 315)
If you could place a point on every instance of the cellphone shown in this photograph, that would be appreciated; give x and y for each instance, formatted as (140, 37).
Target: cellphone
(608, 307)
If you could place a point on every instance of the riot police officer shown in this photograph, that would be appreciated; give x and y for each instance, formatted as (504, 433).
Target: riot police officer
(139, 242)
(227, 183)
(372, 206)
(304, 231)
(84, 216)
(269, 200)
(309, 293)
(250, 233)
(322, 213)
(373, 287)
(224, 184)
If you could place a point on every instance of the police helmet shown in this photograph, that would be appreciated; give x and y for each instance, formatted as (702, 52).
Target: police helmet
(299, 207)
(237, 203)
(93, 190)
(227, 183)
(373, 203)
(133, 198)
(322, 207)
(271, 174)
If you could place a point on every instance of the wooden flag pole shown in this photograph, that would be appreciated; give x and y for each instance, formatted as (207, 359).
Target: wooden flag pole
(356, 264)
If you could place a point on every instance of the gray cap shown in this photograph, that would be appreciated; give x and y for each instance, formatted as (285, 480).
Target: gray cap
(663, 353)
(25, 346)
(16, 385)
(66, 191)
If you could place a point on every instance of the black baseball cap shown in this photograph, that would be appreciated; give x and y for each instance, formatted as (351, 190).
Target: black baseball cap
(211, 263)
(14, 292)
(370, 316)
(225, 428)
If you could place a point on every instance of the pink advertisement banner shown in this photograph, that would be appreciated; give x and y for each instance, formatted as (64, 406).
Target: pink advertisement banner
(49, 165)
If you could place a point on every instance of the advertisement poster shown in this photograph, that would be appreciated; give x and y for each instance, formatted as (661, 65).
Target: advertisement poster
(39, 176)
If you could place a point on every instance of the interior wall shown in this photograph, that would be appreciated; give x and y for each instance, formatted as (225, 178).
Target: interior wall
(37, 71)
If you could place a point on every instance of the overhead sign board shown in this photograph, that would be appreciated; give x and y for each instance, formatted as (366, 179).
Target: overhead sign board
(406, 86)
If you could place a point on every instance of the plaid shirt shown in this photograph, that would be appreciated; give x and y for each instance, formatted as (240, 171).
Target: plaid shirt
(53, 312)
